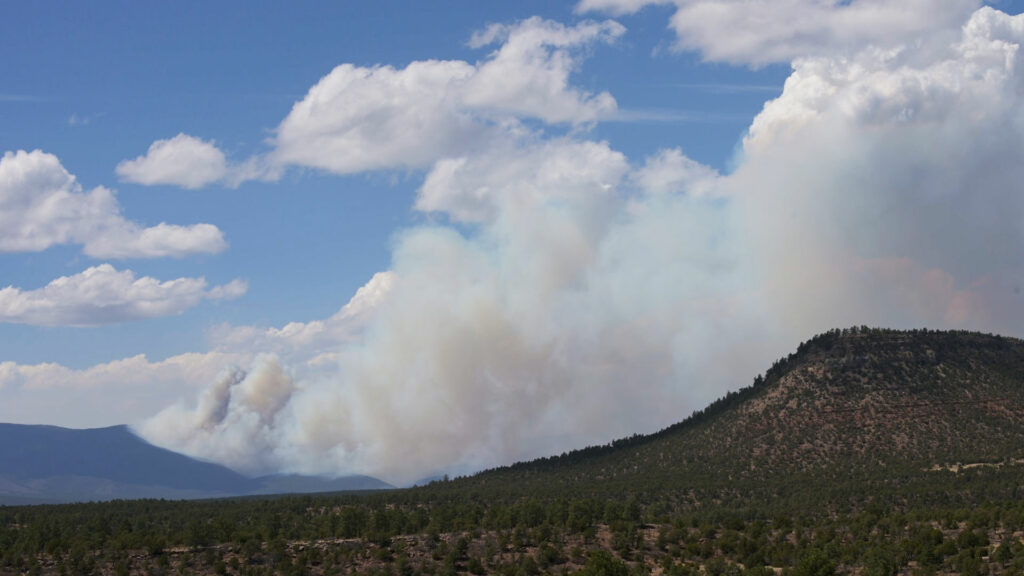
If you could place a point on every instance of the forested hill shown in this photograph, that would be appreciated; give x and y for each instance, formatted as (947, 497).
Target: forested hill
(855, 413)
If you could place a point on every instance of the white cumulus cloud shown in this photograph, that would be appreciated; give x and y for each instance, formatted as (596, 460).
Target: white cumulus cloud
(42, 205)
(760, 32)
(184, 161)
(190, 163)
(528, 74)
(357, 119)
(103, 295)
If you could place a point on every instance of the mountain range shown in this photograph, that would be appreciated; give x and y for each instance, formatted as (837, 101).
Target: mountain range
(49, 464)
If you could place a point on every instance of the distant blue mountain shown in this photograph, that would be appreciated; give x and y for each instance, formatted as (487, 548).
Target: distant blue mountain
(41, 464)
(115, 454)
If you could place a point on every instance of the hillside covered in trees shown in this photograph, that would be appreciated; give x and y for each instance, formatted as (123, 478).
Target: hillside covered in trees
(857, 413)
(864, 452)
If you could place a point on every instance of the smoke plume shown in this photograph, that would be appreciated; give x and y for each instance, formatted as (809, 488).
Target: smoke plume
(566, 295)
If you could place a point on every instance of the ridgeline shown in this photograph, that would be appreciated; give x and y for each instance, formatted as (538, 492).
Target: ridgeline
(853, 415)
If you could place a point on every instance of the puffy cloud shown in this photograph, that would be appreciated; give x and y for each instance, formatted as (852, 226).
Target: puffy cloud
(104, 295)
(183, 161)
(528, 75)
(358, 119)
(760, 32)
(42, 205)
(191, 163)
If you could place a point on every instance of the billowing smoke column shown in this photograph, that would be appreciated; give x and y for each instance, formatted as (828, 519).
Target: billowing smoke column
(572, 314)
(568, 296)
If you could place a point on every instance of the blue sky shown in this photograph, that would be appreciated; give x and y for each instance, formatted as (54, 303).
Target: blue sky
(557, 222)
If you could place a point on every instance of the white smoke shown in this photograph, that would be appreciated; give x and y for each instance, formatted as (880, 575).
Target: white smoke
(567, 296)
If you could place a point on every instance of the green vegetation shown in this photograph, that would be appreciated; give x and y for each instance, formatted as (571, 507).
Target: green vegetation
(867, 451)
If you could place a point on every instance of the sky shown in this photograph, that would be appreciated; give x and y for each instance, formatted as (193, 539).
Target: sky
(386, 239)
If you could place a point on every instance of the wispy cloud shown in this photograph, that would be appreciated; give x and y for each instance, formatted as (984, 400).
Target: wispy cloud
(82, 119)
(19, 98)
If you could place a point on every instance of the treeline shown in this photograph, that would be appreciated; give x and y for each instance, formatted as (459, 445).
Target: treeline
(339, 535)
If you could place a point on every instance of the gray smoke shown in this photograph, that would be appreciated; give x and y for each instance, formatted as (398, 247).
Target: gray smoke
(567, 296)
